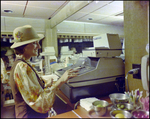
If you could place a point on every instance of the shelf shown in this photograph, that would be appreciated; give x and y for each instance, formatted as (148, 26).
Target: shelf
(9, 103)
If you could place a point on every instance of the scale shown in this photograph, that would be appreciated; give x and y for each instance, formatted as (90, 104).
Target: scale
(49, 53)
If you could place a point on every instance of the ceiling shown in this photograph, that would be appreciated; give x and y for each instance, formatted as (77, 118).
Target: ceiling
(102, 12)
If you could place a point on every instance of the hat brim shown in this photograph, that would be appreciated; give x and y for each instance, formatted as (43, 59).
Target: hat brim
(8, 54)
(18, 44)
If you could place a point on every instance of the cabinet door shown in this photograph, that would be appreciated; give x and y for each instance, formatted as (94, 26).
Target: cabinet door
(61, 106)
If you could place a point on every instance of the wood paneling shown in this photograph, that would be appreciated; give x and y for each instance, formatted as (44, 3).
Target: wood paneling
(136, 37)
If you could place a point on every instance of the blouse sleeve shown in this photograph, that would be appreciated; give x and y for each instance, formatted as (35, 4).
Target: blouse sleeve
(39, 99)
(4, 75)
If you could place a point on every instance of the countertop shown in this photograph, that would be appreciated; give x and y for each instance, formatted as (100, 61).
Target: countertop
(80, 112)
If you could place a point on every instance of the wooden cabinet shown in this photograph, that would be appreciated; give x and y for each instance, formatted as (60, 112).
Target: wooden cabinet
(8, 98)
(62, 103)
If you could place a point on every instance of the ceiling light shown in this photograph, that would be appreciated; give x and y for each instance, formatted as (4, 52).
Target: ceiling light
(8, 11)
(89, 19)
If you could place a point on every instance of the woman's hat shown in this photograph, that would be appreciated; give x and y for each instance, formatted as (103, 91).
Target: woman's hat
(25, 35)
(9, 52)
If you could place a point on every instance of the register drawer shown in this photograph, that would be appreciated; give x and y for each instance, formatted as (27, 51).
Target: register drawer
(76, 93)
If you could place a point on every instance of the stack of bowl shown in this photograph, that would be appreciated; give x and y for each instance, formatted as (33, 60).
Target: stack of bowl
(120, 114)
(123, 109)
(120, 108)
(124, 106)
(118, 98)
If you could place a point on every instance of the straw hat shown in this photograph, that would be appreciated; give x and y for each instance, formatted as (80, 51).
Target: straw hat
(24, 35)
(9, 52)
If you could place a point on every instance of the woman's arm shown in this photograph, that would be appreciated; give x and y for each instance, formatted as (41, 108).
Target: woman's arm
(33, 94)
(66, 76)
(63, 79)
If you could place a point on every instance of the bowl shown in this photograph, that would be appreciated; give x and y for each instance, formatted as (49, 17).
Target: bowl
(119, 113)
(140, 113)
(100, 107)
(124, 106)
(119, 98)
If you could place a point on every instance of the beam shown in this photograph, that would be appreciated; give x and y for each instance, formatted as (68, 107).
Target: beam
(71, 8)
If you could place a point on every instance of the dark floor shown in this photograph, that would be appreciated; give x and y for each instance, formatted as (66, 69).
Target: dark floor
(8, 112)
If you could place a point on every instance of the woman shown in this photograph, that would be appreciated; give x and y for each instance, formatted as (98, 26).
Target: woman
(4, 80)
(33, 98)
(4, 75)
(11, 57)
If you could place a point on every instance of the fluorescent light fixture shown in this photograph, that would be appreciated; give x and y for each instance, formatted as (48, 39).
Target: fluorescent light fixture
(84, 22)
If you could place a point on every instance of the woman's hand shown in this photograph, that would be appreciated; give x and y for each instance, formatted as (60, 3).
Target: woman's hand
(69, 74)
(66, 76)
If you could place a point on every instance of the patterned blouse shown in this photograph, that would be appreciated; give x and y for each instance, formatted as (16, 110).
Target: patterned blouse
(4, 75)
(39, 99)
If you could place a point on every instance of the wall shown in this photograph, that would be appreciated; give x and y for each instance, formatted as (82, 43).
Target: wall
(68, 27)
(8, 24)
(136, 37)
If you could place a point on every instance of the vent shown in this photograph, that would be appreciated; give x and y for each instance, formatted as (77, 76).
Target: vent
(6, 35)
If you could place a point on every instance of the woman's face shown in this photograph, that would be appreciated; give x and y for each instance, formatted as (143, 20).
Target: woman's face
(10, 57)
(31, 49)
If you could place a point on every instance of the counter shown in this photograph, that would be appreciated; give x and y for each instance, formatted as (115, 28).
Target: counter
(80, 112)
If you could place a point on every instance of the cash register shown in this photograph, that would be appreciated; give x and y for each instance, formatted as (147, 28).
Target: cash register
(99, 70)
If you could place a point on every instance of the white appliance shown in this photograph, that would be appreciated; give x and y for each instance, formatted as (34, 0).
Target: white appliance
(65, 52)
(49, 53)
(99, 71)
(145, 70)
(105, 45)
